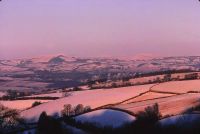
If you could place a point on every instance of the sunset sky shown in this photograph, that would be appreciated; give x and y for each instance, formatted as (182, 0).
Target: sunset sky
(91, 28)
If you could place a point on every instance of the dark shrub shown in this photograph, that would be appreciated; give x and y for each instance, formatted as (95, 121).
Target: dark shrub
(67, 111)
(36, 103)
(9, 119)
(146, 120)
(79, 109)
(192, 76)
(149, 115)
(87, 109)
(49, 125)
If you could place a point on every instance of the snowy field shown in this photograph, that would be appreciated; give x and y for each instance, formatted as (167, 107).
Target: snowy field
(178, 86)
(179, 120)
(106, 117)
(92, 98)
(20, 104)
(168, 106)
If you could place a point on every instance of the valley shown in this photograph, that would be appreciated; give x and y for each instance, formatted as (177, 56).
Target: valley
(98, 88)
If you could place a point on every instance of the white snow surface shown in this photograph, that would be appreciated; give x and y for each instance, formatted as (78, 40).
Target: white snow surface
(179, 120)
(106, 117)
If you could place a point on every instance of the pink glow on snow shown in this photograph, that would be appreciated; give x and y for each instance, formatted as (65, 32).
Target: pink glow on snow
(92, 98)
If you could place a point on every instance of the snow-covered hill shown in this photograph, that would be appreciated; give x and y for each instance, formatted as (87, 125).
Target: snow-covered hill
(106, 117)
(58, 71)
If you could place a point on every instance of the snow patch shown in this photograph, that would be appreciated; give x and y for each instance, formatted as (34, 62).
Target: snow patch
(106, 117)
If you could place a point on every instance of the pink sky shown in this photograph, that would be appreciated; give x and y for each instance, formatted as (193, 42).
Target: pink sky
(99, 27)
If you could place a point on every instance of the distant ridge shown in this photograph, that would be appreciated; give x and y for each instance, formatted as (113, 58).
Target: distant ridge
(144, 56)
(57, 60)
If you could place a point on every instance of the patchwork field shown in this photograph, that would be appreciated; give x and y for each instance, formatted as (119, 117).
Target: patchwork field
(168, 106)
(92, 98)
(173, 98)
(148, 96)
